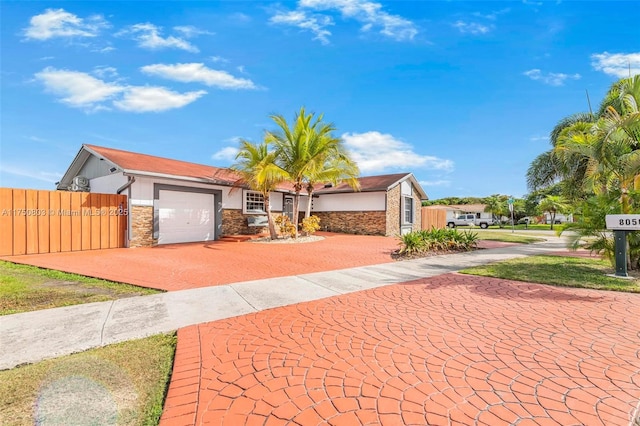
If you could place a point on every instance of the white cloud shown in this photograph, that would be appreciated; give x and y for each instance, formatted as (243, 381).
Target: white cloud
(435, 182)
(103, 71)
(493, 15)
(77, 89)
(81, 90)
(190, 31)
(315, 24)
(227, 154)
(60, 23)
(552, 79)
(148, 36)
(472, 27)
(376, 152)
(218, 59)
(155, 99)
(368, 13)
(616, 64)
(198, 73)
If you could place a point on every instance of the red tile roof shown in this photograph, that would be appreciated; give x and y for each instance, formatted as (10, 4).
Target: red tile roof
(148, 164)
(367, 184)
(132, 161)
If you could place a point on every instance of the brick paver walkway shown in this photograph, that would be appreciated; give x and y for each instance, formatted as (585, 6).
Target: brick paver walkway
(452, 349)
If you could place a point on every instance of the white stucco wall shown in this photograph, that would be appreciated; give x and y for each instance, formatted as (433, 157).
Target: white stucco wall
(107, 184)
(358, 201)
(232, 198)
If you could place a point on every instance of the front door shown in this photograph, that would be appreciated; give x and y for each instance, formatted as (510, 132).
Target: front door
(288, 207)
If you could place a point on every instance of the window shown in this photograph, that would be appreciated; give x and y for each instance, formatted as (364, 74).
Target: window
(253, 202)
(408, 210)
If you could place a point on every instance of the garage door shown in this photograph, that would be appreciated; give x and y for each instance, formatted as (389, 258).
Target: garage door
(185, 217)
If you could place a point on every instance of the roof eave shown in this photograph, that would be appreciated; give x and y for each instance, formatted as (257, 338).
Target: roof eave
(416, 184)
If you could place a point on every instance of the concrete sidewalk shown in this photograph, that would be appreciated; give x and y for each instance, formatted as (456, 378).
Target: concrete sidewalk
(34, 336)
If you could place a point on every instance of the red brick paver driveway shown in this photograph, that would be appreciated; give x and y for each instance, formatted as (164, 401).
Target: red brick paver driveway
(183, 266)
(452, 349)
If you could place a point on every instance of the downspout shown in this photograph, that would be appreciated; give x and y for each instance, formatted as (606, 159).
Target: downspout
(126, 185)
(122, 188)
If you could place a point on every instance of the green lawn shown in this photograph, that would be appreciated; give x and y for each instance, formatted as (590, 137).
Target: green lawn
(559, 271)
(506, 237)
(123, 384)
(26, 288)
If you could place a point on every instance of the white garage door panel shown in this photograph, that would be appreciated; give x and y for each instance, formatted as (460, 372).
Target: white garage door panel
(185, 217)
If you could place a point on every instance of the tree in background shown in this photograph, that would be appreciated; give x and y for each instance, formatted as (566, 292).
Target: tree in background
(497, 206)
(553, 204)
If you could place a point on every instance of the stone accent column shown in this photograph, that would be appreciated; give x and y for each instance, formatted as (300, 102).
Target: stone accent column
(141, 226)
(393, 211)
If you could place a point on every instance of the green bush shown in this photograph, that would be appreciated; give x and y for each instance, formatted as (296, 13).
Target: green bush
(437, 240)
(310, 224)
(285, 227)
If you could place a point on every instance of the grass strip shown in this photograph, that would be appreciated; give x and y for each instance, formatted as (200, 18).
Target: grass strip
(123, 384)
(507, 237)
(559, 271)
(25, 288)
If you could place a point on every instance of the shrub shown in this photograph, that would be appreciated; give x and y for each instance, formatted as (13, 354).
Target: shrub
(285, 227)
(310, 224)
(435, 240)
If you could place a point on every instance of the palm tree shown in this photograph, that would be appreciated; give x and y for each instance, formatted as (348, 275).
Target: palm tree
(549, 168)
(609, 150)
(258, 170)
(495, 205)
(553, 204)
(337, 168)
(310, 154)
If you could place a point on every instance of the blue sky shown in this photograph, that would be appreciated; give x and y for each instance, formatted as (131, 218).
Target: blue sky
(462, 94)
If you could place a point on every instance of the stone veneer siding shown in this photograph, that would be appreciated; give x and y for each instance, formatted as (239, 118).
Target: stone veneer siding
(234, 222)
(356, 222)
(417, 211)
(141, 226)
(393, 211)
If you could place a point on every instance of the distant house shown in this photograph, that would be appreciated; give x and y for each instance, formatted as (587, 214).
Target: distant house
(453, 211)
(172, 201)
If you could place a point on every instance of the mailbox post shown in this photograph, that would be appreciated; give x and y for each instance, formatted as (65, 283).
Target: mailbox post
(620, 224)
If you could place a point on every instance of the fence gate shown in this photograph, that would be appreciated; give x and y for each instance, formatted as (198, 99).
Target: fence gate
(433, 218)
(35, 221)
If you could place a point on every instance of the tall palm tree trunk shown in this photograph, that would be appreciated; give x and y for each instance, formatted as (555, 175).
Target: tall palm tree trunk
(272, 226)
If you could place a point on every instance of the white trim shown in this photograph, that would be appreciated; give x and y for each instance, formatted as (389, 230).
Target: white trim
(246, 192)
(141, 202)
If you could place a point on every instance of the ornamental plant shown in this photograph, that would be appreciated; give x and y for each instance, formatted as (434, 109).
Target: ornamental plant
(285, 227)
(310, 224)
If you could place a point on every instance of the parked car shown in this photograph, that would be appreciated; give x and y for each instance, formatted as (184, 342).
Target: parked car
(470, 220)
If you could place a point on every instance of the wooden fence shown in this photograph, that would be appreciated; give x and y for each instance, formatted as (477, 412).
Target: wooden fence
(33, 221)
(433, 218)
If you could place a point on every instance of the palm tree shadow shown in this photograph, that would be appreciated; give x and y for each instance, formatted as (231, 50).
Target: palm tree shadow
(503, 289)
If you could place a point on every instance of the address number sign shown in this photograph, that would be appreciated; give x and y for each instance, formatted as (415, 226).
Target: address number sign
(623, 222)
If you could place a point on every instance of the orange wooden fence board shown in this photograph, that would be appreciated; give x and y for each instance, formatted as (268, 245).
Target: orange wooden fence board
(54, 222)
(19, 221)
(65, 221)
(76, 221)
(6, 221)
(43, 221)
(34, 221)
(31, 197)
